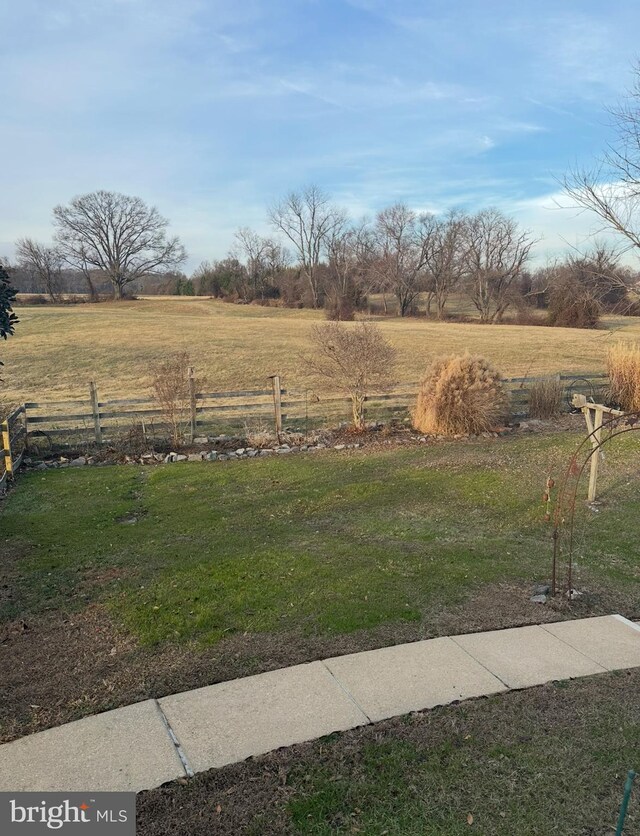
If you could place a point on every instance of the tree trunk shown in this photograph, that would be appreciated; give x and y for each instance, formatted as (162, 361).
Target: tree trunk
(357, 408)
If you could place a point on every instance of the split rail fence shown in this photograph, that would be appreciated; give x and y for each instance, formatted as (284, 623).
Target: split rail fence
(89, 420)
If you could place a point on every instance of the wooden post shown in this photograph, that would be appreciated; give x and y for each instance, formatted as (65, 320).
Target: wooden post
(192, 404)
(6, 446)
(277, 403)
(93, 392)
(596, 438)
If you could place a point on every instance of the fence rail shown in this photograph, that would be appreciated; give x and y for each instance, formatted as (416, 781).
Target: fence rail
(95, 420)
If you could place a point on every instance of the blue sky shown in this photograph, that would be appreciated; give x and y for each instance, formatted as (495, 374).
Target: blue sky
(211, 110)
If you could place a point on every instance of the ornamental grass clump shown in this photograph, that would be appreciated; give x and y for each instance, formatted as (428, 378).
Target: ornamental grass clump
(545, 397)
(460, 395)
(623, 366)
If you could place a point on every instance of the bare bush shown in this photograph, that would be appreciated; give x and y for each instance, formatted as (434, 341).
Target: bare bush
(171, 389)
(623, 365)
(356, 360)
(460, 395)
(545, 397)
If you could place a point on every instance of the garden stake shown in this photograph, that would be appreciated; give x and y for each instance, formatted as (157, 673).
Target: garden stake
(625, 801)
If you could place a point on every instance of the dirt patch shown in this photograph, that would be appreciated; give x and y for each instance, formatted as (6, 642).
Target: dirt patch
(65, 667)
(494, 753)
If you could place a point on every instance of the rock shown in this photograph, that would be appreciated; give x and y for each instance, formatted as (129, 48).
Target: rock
(201, 439)
(538, 599)
(158, 457)
(193, 457)
(64, 464)
(79, 462)
(572, 594)
(212, 456)
(524, 426)
(266, 452)
(339, 446)
(39, 466)
(181, 458)
(170, 457)
(63, 460)
(240, 451)
(283, 450)
(320, 446)
(252, 453)
(222, 457)
(541, 589)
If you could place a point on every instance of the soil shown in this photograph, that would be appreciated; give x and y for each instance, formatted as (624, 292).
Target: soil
(64, 667)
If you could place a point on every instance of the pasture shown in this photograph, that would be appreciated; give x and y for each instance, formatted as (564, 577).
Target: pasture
(57, 350)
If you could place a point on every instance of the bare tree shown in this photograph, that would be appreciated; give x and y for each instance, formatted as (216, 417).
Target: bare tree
(611, 188)
(443, 251)
(495, 253)
(308, 219)
(354, 359)
(348, 254)
(118, 235)
(264, 260)
(400, 259)
(44, 263)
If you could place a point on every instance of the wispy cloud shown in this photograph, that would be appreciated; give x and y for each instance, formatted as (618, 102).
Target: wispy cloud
(212, 109)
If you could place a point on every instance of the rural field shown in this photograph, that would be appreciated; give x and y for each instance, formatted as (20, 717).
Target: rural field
(57, 350)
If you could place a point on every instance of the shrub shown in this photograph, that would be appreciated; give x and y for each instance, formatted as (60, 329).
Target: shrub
(354, 359)
(460, 394)
(545, 397)
(171, 389)
(571, 305)
(623, 365)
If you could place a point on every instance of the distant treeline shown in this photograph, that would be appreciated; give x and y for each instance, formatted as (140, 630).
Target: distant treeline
(409, 262)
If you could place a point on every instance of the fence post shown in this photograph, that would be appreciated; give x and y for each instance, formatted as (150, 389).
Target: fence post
(93, 393)
(277, 403)
(6, 445)
(596, 439)
(192, 404)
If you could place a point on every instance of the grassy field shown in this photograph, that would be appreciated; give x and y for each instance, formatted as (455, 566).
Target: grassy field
(548, 760)
(236, 567)
(57, 350)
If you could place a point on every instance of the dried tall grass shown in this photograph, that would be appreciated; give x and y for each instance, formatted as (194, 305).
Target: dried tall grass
(545, 397)
(460, 395)
(623, 366)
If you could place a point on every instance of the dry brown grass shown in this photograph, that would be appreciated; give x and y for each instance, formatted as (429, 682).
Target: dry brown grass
(545, 397)
(57, 350)
(462, 394)
(623, 366)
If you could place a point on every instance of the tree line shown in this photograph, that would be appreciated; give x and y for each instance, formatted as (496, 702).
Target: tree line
(319, 257)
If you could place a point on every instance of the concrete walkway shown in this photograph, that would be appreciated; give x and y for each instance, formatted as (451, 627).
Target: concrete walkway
(143, 745)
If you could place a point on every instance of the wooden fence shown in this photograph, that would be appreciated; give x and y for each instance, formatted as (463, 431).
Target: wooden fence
(13, 435)
(91, 420)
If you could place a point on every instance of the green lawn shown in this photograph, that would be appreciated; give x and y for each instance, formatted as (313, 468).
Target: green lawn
(323, 544)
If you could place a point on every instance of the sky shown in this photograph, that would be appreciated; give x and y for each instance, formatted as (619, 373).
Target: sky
(211, 110)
